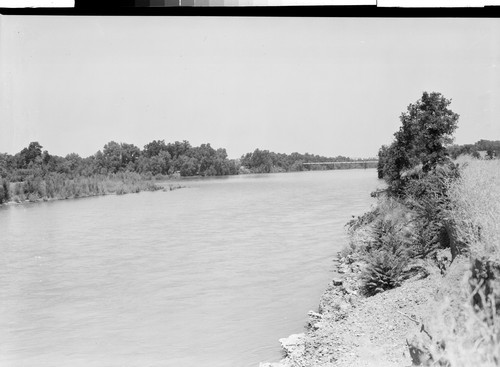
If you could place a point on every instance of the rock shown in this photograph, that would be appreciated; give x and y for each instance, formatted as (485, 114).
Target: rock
(337, 281)
(293, 345)
(315, 315)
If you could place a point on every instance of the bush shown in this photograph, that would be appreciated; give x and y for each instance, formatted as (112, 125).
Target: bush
(427, 196)
(401, 229)
(387, 256)
(384, 271)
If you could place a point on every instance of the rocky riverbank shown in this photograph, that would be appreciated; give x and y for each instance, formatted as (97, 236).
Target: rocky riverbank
(352, 330)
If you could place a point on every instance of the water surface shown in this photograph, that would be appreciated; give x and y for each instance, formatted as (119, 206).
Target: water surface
(213, 274)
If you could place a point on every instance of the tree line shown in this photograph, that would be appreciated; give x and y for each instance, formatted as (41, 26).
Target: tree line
(34, 173)
(264, 161)
(491, 149)
(157, 158)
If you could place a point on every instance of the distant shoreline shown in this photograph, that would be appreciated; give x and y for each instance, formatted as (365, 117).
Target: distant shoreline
(103, 185)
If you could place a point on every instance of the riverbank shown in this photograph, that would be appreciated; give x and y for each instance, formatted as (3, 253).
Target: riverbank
(350, 330)
(443, 308)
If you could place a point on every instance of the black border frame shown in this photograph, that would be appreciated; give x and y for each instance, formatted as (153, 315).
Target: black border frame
(117, 8)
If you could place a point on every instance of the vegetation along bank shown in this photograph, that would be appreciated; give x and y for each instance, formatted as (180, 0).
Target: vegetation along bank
(33, 174)
(419, 282)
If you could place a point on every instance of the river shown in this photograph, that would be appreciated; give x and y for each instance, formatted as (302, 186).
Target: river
(209, 275)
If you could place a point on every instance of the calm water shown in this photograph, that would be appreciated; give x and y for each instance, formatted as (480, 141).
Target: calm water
(213, 274)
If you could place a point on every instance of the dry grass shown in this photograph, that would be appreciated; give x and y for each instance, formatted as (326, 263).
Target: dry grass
(467, 339)
(471, 331)
(475, 200)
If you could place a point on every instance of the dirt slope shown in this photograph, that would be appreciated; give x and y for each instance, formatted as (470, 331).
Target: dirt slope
(355, 331)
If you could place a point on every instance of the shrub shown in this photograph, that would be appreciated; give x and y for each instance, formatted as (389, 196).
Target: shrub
(384, 271)
(387, 256)
(427, 197)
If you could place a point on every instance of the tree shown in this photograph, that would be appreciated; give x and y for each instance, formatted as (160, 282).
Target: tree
(382, 157)
(119, 157)
(157, 164)
(129, 155)
(436, 125)
(30, 154)
(260, 161)
(154, 148)
(4, 191)
(112, 154)
(72, 163)
(426, 130)
(177, 149)
(100, 163)
(188, 166)
(5, 165)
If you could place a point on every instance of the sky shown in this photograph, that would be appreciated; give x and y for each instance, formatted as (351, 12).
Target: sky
(327, 86)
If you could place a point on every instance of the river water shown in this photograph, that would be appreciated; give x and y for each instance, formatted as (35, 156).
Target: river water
(209, 275)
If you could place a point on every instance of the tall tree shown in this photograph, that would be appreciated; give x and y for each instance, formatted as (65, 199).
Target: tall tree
(30, 154)
(426, 128)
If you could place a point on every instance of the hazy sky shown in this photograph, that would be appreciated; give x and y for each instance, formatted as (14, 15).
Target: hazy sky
(328, 86)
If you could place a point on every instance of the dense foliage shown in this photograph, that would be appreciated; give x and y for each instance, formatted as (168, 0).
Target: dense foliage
(411, 220)
(33, 173)
(157, 158)
(426, 129)
(264, 161)
(414, 219)
(436, 212)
